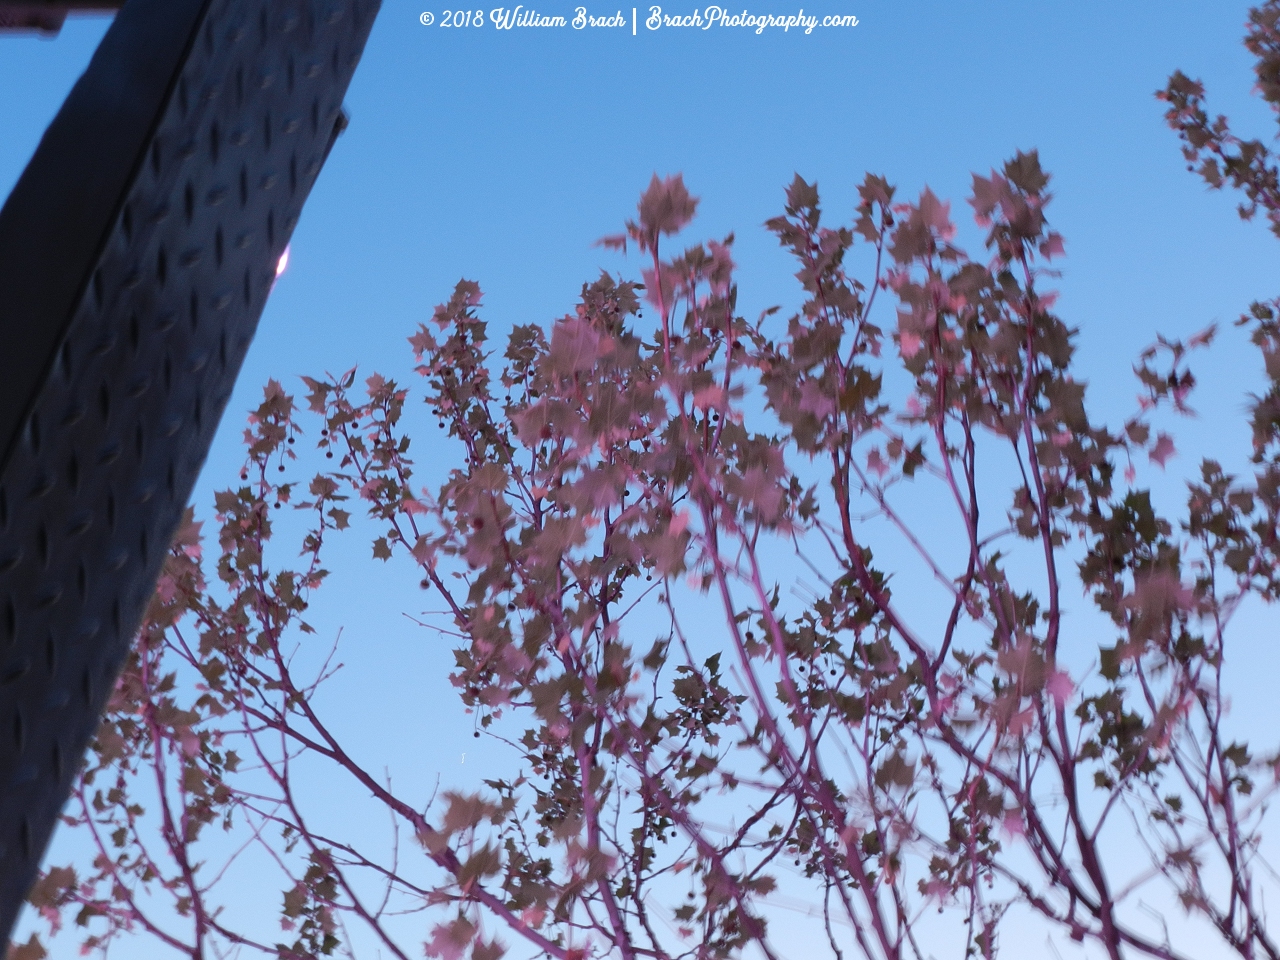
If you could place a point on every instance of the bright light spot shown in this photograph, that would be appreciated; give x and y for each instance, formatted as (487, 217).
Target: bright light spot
(283, 263)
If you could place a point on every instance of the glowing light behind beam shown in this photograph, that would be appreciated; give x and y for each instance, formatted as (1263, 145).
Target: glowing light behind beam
(281, 265)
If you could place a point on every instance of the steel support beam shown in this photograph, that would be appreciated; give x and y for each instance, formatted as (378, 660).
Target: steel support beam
(47, 16)
(136, 254)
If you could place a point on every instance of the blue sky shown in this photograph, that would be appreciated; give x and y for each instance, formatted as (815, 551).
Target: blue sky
(503, 156)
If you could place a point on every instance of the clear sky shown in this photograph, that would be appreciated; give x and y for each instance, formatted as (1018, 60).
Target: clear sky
(503, 156)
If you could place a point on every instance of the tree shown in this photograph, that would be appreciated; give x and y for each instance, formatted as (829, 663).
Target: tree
(655, 455)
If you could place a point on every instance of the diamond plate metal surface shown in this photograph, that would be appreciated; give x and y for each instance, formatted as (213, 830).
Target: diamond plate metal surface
(47, 16)
(114, 381)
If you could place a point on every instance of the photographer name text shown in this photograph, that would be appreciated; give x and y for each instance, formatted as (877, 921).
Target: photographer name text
(702, 18)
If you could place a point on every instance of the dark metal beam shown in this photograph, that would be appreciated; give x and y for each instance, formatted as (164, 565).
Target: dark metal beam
(136, 254)
(47, 16)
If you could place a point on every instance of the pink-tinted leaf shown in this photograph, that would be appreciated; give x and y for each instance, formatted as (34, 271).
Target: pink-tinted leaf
(1059, 686)
(1162, 449)
(876, 463)
(666, 206)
